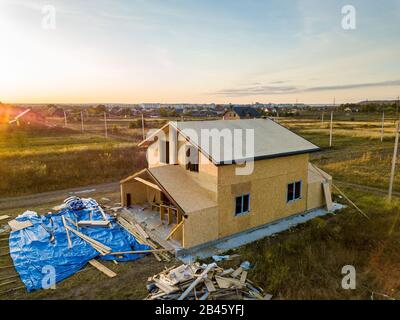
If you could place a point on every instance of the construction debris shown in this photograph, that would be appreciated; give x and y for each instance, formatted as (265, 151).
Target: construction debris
(142, 237)
(67, 240)
(19, 225)
(203, 282)
(3, 217)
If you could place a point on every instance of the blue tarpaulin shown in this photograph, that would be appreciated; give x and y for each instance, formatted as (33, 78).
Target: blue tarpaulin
(44, 246)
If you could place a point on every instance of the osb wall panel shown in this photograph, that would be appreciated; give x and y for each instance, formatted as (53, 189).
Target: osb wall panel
(153, 195)
(200, 227)
(315, 196)
(268, 186)
(208, 172)
(137, 191)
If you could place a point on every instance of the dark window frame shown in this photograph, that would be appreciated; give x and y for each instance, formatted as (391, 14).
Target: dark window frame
(295, 194)
(242, 205)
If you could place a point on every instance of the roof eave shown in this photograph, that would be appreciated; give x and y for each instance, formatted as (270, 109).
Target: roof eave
(269, 156)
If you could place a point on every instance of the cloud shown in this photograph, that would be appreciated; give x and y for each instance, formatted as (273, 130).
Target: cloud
(272, 90)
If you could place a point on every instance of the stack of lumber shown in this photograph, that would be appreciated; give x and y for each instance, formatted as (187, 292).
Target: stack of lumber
(203, 282)
(142, 237)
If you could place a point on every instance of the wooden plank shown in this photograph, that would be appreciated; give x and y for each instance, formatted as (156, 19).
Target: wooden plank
(94, 243)
(165, 286)
(222, 282)
(328, 195)
(243, 277)
(141, 251)
(19, 225)
(227, 282)
(3, 217)
(103, 213)
(66, 230)
(102, 268)
(237, 272)
(198, 280)
(210, 286)
(93, 223)
(180, 224)
(141, 231)
(148, 183)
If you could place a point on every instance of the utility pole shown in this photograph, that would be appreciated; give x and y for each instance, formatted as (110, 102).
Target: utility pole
(322, 118)
(105, 125)
(82, 127)
(397, 107)
(383, 124)
(143, 126)
(65, 119)
(396, 145)
(331, 129)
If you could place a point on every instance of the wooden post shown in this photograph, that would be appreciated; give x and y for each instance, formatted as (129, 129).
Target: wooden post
(143, 126)
(396, 145)
(383, 124)
(322, 118)
(161, 212)
(82, 127)
(65, 119)
(105, 125)
(169, 215)
(331, 129)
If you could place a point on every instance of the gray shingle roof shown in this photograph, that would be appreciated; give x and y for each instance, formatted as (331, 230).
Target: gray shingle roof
(271, 139)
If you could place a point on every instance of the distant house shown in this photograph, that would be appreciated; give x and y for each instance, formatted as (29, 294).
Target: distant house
(235, 113)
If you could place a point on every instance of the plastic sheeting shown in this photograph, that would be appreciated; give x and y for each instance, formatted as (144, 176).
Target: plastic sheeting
(41, 251)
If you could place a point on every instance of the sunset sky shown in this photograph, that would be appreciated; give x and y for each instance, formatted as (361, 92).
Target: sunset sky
(223, 51)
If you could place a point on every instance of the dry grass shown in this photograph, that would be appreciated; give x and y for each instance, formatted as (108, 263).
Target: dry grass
(40, 159)
(306, 261)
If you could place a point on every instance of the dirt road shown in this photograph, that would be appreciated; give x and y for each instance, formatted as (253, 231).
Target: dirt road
(58, 195)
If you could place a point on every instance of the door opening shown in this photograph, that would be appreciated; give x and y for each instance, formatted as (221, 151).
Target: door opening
(128, 200)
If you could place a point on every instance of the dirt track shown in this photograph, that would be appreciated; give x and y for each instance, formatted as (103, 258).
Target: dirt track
(58, 195)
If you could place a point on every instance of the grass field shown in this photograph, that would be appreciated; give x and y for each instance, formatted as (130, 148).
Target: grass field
(37, 159)
(357, 154)
(304, 262)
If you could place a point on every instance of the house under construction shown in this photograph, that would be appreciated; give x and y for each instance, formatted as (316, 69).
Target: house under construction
(194, 191)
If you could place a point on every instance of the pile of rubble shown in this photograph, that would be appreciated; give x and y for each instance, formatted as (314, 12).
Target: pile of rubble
(203, 282)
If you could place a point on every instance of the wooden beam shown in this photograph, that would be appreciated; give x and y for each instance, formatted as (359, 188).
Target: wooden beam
(197, 281)
(148, 183)
(3, 217)
(180, 224)
(102, 268)
(66, 230)
(169, 216)
(141, 251)
(131, 177)
(93, 223)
